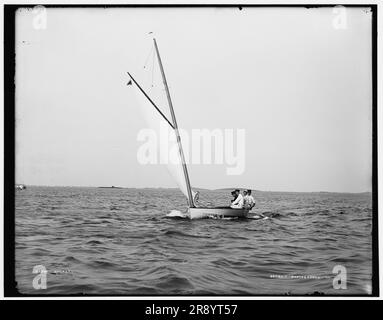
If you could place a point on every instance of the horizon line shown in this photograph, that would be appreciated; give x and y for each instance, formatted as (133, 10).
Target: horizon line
(209, 189)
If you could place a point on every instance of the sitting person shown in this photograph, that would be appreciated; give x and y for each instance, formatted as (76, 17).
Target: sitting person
(248, 199)
(246, 203)
(238, 202)
(234, 196)
(251, 199)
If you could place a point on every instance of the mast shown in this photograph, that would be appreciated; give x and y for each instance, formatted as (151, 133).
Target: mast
(185, 170)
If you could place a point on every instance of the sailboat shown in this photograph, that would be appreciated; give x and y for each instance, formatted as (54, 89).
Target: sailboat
(178, 169)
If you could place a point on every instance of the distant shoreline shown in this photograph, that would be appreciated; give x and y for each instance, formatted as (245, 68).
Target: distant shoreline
(199, 189)
(112, 187)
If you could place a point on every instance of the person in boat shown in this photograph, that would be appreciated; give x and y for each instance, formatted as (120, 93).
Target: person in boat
(248, 199)
(238, 202)
(244, 198)
(234, 195)
(250, 203)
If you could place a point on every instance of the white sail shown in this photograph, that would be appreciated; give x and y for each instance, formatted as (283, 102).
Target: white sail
(167, 146)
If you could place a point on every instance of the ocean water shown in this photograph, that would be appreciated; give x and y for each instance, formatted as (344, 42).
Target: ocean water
(97, 241)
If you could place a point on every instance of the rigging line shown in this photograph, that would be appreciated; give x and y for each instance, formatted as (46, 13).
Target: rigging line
(152, 68)
(147, 58)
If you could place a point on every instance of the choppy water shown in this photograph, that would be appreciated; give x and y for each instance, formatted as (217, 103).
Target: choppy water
(126, 242)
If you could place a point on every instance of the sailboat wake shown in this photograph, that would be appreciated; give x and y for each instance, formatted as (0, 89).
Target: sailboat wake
(257, 217)
(177, 214)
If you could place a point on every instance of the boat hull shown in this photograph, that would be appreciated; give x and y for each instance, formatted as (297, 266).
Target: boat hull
(217, 212)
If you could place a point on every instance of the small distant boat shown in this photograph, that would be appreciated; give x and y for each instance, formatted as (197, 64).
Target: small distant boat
(178, 171)
(20, 187)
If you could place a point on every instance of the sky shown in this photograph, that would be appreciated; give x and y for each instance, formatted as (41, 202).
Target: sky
(297, 84)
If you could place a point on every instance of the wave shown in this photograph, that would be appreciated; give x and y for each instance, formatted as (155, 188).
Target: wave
(183, 234)
(94, 242)
(257, 217)
(174, 282)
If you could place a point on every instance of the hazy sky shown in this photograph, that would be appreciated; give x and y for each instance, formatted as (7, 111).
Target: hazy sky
(299, 87)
